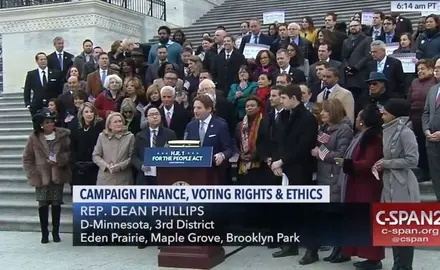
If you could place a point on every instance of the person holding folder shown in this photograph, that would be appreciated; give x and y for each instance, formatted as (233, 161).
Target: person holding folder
(210, 131)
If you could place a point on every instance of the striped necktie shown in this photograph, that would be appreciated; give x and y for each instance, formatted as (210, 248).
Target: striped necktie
(154, 138)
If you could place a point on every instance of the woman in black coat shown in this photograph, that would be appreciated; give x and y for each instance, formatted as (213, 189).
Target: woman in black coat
(83, 141)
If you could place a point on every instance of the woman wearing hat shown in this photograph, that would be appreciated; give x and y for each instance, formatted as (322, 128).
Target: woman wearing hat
(401, 154)
(46, 160)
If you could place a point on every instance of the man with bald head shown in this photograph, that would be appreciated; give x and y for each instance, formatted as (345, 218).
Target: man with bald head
(255, 37)
(66, 99)
(223, 108)
(217, 48)
(306, 46)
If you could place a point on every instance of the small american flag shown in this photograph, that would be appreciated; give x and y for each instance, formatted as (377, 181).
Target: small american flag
(322, 152)
(323, 138)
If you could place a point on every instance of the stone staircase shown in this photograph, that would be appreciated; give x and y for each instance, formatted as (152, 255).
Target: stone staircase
(231, 13)
(18, 208)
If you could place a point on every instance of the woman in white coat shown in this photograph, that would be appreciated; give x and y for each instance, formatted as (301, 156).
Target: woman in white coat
(401, 155)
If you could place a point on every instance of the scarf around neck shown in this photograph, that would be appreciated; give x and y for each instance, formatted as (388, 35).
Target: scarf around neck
(249, 136)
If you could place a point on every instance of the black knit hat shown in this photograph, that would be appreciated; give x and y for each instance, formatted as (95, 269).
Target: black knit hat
(398, 107)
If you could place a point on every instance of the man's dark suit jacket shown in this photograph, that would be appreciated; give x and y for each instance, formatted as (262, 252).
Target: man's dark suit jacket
(396, 38)
(403, 25)
(313, 78)
(225, 109)
(142, 141)
(381, 36)
(316, 89)
(179, 120)
(339, 39)
(208, 61)
(225, 71)
(297, 75)
(394, 73)
(53, 63)
(151, 73)
(294, 144)
(217, 136)
(89, 67)
(262, 39)
(41, 93)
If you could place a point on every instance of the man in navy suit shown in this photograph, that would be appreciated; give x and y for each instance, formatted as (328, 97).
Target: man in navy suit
(255, 37)
(60, 60)
(211, 132)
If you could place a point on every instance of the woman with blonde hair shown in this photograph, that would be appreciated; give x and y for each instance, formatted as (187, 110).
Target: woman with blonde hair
(83, 140)
(131, 116)
(192, 81)
(113, 151)
(134, 90)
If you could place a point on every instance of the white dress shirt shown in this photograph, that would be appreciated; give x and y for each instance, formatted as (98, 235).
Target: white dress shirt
(168, 113)
(285, 70)
(277, 112)
(206, 122)
(381, 65)
(40, 73)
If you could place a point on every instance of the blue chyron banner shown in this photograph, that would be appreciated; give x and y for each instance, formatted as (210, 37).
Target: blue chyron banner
(223, 224)
(184, 157)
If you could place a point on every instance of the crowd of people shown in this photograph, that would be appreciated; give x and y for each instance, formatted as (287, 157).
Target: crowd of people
(324, 106)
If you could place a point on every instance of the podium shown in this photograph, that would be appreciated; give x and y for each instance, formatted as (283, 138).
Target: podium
(186, 166)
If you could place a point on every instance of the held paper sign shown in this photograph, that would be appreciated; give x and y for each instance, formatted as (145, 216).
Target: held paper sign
(200, 157)
(408, 60)
(251, 50)
(414, 6)
(391, 47)
(275, 16)
(367, 17)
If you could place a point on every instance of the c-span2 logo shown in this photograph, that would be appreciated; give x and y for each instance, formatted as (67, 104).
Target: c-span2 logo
(180, 183)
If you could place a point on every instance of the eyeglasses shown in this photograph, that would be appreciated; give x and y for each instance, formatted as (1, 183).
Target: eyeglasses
(153, 114)
(128, 112)
(170, 78)
(355, 25)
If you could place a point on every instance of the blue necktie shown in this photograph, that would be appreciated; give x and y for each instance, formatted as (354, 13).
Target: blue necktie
(255, 39)
(389, 38)
(103, 75)
(60, 60)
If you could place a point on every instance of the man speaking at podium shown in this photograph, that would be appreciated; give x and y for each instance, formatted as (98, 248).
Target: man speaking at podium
(211, 132)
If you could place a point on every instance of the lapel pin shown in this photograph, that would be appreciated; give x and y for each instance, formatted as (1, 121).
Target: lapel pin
(212, 125)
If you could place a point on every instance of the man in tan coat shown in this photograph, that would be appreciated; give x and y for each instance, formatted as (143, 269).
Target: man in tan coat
(334, 90)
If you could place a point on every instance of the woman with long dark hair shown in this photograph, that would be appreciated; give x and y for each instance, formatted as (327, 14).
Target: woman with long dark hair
(46, 161)
(361, 186)
(297, 59)
(428, 43)
(266, 62)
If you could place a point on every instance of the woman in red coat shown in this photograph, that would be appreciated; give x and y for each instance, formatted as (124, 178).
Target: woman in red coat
(264, 83)
(361, 184)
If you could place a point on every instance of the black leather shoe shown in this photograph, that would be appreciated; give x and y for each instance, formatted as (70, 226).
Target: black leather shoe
(142, 246)
(286, 251)
(368, 265)
(310, 257)
(335, 252)
(340, 259)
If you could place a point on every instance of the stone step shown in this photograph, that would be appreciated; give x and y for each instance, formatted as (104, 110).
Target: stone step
(31, 223)
(428, 198)
(27, 123)
(6, 112)
(22, 116)
(17, 195)
(16, 139)
(426, 187)
(11, 159)
(15, 131)
(16, 98)
(11, 149)
(25, 208)
(11, 104)
(13, 181)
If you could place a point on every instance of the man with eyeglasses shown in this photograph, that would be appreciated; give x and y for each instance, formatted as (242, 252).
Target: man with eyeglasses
(293, 31)
(389, 27)
(174, 116)
(356, 54)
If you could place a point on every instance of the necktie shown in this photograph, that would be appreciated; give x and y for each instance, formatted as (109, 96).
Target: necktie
(60, 60)
(103, 75)
(168, 119)
(154, 138)
(227, 56)
(255, 39)
(202, 132)
(389, 38)
(437, 102)
(326, 94)
(376, 34)
(284, 72)
(277, 116)
(379, 67)
(44, 78)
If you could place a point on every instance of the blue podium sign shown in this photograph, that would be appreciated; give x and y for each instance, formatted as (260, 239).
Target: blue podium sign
(178, 156)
